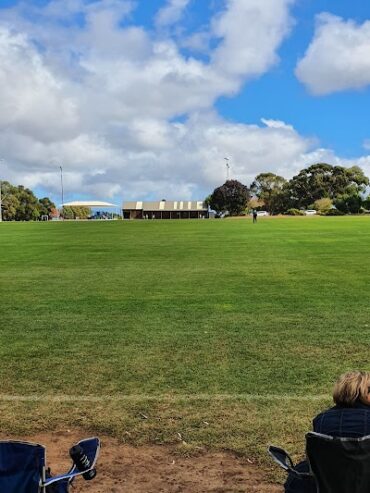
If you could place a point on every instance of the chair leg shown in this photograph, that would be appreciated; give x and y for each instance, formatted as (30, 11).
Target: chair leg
(43, 479)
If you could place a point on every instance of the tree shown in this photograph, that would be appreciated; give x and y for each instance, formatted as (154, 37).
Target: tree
(357, 180)
(348, 204)
(366, 203)
(20, 203)
(323, 180)
(312, 183)
(10, 203)
(231, 197)
(207, 201)
(28, 208)
(76, 212)
(255, 203)
(268, 187)
(46, 207)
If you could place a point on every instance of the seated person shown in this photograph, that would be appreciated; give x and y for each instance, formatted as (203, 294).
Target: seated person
(350, 417)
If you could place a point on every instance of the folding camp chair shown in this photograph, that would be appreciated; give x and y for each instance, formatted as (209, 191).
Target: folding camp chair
(23, 467)
(300, 478)
(338, 465)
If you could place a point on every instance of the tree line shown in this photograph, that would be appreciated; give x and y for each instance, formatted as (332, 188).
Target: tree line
(76, 212)
(331, 190)
(21, 204)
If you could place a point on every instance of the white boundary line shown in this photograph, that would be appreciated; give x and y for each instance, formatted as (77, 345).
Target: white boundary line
(161, 397)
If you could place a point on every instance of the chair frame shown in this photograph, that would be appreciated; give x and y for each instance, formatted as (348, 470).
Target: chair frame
(70, 475)
(283, 459)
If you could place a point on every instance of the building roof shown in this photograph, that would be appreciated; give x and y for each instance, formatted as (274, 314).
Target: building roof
(88, 203)
(166, 205)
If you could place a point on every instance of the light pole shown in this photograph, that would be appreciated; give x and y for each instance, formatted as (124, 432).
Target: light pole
(61, 185)
(227, 168)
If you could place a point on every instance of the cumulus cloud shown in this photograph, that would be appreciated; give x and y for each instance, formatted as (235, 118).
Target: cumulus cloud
(84, 87)
(337, 58)
(171, 12)
(250, 31)
(125, 112)
(33, 101)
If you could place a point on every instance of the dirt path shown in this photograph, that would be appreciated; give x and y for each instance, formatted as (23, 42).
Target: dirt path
(149, 469)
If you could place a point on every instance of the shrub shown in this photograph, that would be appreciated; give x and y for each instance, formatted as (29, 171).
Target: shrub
(294, 212)
(323, 205)
(333, 212)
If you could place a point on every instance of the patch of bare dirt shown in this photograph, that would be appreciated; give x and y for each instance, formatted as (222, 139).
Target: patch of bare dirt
(148, 469)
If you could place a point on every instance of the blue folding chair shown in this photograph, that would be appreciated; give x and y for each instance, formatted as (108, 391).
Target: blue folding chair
(23, 467)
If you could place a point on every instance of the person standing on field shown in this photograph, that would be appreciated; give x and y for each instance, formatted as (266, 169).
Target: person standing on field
(254, 215)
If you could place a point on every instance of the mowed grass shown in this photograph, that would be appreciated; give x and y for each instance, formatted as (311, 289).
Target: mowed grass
(217, 333)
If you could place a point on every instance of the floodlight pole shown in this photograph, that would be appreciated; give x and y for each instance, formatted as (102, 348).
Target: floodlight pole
(227, 168)
(61, 184)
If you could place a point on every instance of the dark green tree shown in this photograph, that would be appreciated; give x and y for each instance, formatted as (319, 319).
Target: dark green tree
(366, 203)
(323, 180)
(348, 204)
(28, 209)
(311, 184)
(231, 197)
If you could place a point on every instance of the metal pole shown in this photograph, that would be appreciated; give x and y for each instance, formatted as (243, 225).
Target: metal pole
(227, 168)
(61, 183)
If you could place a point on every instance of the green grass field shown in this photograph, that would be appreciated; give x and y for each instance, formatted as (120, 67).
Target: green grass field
(217, 333)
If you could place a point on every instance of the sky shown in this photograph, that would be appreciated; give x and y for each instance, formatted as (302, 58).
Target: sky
(143, 99)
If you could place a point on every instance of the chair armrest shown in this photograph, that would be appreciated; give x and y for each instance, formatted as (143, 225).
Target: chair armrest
(61, 477)
(283, 459)
(91, 447)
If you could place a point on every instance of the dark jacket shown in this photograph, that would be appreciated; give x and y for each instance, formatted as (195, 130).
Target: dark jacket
(351, 422)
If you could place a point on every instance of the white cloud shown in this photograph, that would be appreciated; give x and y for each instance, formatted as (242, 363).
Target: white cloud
(337, 58)
(276, 124)
(171, 12)
(33, 101)
(187, 163)
(366, 144)
(104, 100)
(250, 31)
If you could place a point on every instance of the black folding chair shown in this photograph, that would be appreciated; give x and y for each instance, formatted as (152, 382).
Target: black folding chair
(299, 478)
(337, 465)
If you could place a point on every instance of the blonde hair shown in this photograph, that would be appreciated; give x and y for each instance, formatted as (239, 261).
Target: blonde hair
(350, 387)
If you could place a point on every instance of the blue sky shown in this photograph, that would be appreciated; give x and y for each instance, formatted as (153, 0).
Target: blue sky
(339, 120)
(144, 99)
